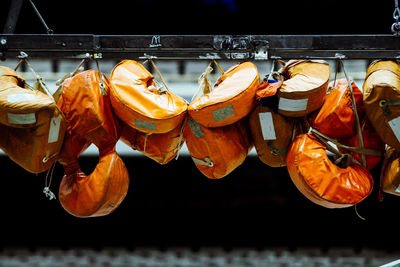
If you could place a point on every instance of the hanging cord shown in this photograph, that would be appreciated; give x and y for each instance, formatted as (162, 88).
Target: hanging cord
(218, 66)
(59, 82)
(357, 119)
(71, 74)
(180, 140)
(101, 84)
(47, 183)
(340, 157)
(40, 85)
(205, 85)
(396, 17)
(48, 30)
(335, 79)
(158, 87)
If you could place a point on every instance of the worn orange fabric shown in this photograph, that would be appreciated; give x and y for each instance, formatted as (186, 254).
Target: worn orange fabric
(217, 151)
(382, 85)
(90, 119)
(336, 117)
(272, 134)
(138, 103)
(320, 180)
(371, 141)
(267, 88)
(161, 148)
(232, 97)
(390, 175)
(32, 126)
(304, 88)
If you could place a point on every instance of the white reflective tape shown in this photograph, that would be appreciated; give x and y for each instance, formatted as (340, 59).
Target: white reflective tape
(395, 126)
(267, 126)
(14, 98)
(293, 104)
(54, 130)
(21, 118)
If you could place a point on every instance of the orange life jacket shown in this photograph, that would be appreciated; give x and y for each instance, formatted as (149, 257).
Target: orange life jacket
(90, 119)
(138, 102)
(217, 151)
(304, 88)
(31, 125)
(161, 148)
(272, 134)
(320, 180)
(231, 98)
(381, 91)
(336, 117)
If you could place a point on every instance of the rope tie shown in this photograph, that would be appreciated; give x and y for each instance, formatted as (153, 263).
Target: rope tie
(357, 119)
(206, 162)
(180, 143)
(40, 84)
(341, 159)
(145, 141)
(47, 183)
(159, 88)
(101, 84)
(205, 85)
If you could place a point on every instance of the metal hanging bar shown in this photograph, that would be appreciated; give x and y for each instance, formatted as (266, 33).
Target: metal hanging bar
(207, 47)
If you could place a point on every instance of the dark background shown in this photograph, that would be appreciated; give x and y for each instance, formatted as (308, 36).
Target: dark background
(206, 17)
(175, 205)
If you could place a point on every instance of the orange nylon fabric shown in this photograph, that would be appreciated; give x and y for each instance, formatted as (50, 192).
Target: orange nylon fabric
(31, 125)
(272, 135)
(161, 148)
(336, 117)
(267, 89)
(223, 148)
(90, 120)
(382, 83)
(390, 177)
(320, 180)
(305, 87)
(138, 103)
(232, 98)
(371, 141)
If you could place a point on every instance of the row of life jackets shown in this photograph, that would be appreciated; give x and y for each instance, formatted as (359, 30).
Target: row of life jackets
(220, 126)
(299, 116)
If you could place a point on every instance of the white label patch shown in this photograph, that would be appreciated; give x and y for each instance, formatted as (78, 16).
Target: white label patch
(14, 98)
(223, 113)
(54, 130)
(293, 104)
(145, 124)
(267, 126)
(395, 125)
(21, 118)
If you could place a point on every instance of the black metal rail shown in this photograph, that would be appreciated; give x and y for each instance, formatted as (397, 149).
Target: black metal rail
(195, 47)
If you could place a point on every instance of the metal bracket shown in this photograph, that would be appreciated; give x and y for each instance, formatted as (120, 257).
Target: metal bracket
(228, 42)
